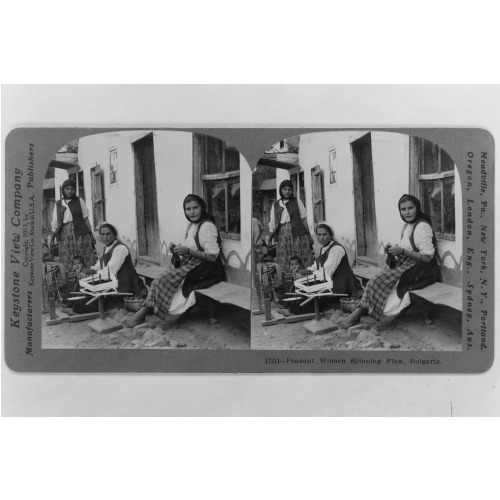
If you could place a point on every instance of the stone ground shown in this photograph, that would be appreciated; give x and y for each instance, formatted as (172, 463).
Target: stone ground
(192, 331)
(408, 333)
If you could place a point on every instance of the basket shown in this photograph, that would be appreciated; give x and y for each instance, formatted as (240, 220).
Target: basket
(133, 304)
(348, 305)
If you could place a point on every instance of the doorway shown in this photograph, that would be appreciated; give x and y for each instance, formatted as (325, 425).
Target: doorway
(148, 241)
(364, 200)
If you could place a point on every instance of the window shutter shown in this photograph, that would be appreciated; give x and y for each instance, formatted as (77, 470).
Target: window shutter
(317, 195)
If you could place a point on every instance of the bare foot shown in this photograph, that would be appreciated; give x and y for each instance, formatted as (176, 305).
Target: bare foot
(352, 319)
(135, 319)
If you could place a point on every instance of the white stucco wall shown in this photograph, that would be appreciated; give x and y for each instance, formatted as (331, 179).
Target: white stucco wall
(238, 252)
(174, 180)
(60, 175)
(390, 155)
(119, 205)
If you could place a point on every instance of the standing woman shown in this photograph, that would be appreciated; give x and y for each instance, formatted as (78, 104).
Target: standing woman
(414, 266)
(288, 226)
(198, 266)
(71, 226)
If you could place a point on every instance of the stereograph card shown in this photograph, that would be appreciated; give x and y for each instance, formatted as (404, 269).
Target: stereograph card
(252, 318)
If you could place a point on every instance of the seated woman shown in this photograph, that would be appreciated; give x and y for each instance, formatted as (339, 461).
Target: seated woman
(116, 258)
(332, 259)
(199, 266)
(415, 267)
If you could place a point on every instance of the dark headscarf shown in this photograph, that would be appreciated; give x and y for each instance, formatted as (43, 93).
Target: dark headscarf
(204, 213)
(67, 183)
(286, 183)
(418, 205)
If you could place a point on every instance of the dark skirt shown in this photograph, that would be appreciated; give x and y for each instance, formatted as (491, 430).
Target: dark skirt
(203, 276)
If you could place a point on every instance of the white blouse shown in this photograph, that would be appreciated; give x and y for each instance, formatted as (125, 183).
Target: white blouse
(207, 236)
(422, 237)
(117, 259)
(285, 216)
(332, 261)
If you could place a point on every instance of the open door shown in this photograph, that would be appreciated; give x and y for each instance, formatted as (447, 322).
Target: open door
(148, 239)
(364, 200)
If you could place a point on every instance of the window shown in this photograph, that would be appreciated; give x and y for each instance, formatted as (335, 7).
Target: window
(432, 180)
(317, 195)
(77, 178)
(97, 187)
(332, 162)
(219, 169)
(113, 167)
(297, 178)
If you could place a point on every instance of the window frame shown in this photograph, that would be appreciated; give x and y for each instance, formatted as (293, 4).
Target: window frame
(332, 165)
(113, 166)
(225, 176)
(417, 178)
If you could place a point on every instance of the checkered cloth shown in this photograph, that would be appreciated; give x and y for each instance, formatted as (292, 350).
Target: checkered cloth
(379, 288)
(164, 287)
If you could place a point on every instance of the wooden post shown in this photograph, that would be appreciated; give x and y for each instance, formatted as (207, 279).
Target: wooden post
(102, 312)
(267, 308)
(45, 305)
(52, 307)
(316, 308)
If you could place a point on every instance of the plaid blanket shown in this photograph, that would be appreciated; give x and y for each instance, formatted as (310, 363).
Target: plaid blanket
(379, 288)
(164, 287)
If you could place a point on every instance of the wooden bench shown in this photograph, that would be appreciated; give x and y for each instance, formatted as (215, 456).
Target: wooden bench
(366, 273)
(149, 273)
(228, 294)
(441, 294)
(223, 293)
(235, 299)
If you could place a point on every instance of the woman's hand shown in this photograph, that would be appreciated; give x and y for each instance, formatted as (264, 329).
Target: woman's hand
(180, 250)
(396, 250)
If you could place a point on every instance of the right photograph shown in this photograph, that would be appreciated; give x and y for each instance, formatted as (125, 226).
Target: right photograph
(356, 244)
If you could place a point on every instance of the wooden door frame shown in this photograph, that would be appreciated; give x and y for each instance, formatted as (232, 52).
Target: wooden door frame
(139, 199)
(360, 198)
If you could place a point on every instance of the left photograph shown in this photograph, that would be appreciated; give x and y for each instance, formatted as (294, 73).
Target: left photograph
(146, 243)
